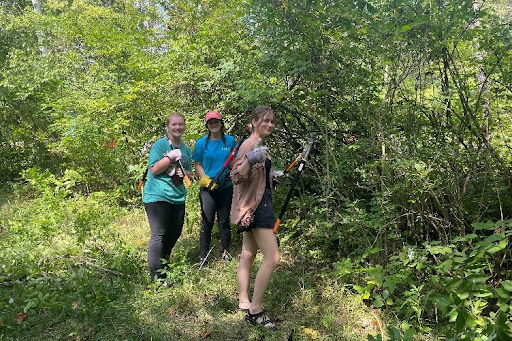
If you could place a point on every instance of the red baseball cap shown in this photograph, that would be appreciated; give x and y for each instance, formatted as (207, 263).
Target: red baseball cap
(212, 114)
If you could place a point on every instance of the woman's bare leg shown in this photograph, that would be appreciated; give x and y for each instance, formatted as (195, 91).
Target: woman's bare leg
(243, 274)
(266, 240)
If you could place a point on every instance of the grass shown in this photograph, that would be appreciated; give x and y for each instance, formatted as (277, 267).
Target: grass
(57, 285)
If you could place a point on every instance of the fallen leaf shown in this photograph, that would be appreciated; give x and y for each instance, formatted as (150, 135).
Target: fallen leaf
(207, 334)
(21, 317)
(170, 311)
(75, 304)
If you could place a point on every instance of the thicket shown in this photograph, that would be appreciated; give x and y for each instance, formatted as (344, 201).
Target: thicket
(411, 176)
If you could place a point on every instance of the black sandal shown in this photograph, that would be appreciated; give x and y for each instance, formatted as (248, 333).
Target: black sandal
(261, 319)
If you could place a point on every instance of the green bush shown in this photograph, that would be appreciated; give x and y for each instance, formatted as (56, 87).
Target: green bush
(462, 285)
(57, 248)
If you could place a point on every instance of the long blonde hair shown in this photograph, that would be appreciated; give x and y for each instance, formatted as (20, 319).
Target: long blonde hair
(176, 115)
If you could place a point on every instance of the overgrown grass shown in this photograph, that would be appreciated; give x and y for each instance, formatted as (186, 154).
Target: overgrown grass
(74, 268)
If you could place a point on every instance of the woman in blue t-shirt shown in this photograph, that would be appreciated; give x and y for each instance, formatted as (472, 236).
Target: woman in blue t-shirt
(164, 193)
(210, 154)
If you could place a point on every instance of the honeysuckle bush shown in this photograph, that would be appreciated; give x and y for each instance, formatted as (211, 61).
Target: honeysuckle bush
(458, 289)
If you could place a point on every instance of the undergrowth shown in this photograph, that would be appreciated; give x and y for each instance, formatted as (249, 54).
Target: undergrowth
(73, 267)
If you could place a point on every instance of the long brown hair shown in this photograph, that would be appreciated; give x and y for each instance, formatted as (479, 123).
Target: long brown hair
(259, 112)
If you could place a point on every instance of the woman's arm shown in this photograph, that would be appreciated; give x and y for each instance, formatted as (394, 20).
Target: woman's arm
(160, 166)
(164, 163)
(199, 169)
(241, 168)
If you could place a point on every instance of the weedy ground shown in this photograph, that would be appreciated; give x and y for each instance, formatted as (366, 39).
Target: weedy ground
(74, 268)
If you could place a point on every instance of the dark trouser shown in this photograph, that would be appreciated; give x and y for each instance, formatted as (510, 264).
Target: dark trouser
(218, 201)
(166, 222)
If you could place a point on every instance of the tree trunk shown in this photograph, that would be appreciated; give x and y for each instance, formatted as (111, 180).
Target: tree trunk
(40, 36)
(37, 6)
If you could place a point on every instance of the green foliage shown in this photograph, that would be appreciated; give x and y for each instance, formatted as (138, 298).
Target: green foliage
(61, 282)
(56, 211)
(412, 102)
(394, 334)
(61, 259)
(462, 285)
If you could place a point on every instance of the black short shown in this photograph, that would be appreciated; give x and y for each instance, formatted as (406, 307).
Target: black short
(264, 216)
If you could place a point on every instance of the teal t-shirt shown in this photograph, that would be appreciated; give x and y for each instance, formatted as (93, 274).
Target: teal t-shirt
(214, 156)
(160, 187)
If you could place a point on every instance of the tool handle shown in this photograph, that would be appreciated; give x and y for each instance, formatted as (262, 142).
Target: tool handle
(186, 179)
(287, 170)
(276, 225)
(219, 174)
(288, 197)
(226, 164)
(140, 184)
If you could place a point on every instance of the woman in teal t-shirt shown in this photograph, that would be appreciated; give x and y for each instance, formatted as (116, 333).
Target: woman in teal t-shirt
(210, 154)
(164, 193)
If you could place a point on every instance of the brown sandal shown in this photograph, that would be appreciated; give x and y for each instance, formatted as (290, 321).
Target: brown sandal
(261, 319)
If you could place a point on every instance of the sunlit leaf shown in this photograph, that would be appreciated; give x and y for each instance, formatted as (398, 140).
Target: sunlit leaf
(507, 285)
(498, 247)
(313, 334)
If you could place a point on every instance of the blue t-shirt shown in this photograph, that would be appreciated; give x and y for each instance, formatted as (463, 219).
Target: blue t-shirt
(213, 157)
(160, 187)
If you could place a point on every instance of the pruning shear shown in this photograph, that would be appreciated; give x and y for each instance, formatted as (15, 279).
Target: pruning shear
(303, 155)
(300, 160)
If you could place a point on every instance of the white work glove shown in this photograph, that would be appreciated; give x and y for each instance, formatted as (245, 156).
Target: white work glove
(277, 175)
(257, 155)
(174, 155)
(179, 172)
(171, 170)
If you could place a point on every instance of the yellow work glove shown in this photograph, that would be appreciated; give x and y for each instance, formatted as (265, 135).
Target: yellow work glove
(205, 182)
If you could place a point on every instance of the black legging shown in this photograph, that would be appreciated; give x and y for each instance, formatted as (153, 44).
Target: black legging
(166, 222)
(219, 202)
